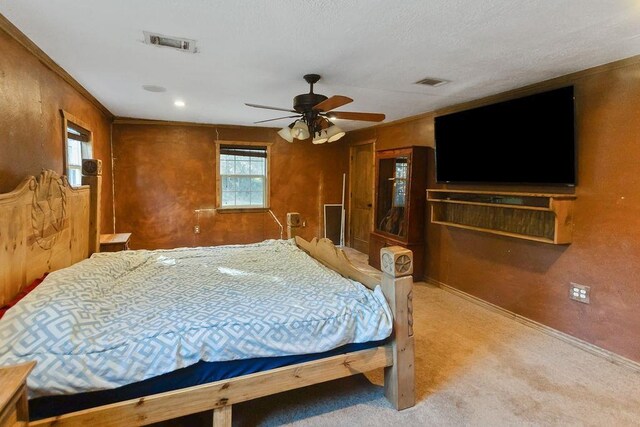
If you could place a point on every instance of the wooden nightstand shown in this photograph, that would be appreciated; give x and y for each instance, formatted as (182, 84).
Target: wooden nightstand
(14, 410)
(114, 242)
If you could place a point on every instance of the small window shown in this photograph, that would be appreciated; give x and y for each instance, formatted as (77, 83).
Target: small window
(77, 147)
(242, 175)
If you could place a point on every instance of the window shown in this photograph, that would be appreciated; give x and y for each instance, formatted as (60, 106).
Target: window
(77, 147)
(242, 175)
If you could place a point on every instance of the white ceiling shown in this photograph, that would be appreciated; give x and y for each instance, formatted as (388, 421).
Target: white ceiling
(370, 50)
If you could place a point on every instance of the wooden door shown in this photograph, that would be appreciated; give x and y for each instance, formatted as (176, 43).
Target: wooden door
(361, 172)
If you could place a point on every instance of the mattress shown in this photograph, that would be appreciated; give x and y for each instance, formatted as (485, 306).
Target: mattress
(121, 318)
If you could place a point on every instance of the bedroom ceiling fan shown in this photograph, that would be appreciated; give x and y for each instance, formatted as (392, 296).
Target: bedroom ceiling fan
(314, 113)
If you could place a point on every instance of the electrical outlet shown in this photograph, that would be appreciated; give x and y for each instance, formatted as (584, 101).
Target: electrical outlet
(196, 229)
(579, 293)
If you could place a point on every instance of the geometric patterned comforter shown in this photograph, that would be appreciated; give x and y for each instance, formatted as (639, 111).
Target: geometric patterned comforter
(122, 317)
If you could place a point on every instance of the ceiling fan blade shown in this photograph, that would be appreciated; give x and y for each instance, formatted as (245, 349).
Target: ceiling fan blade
(333, 102)
(350, 115)
(279, 118)
(266, 107)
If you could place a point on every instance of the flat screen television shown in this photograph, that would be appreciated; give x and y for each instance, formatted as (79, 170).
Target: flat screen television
(529, 140)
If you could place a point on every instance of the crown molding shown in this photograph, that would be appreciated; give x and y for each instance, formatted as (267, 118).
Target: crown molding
(134, 121)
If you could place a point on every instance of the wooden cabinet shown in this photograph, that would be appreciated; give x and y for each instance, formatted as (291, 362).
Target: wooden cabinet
(399, 212)
(114, 242)
(14, 409)
(540, 217)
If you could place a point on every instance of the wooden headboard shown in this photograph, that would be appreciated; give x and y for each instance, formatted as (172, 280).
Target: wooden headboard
(45, 225)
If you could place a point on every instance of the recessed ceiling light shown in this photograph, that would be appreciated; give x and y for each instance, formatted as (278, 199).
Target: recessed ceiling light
(154, 88)
(179, 103)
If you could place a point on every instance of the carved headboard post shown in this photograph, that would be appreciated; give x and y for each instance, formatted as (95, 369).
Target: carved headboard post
(92, 176)
(397, 286)
(44, 226)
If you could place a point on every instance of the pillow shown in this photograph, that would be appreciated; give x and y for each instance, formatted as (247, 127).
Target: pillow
(23, 293)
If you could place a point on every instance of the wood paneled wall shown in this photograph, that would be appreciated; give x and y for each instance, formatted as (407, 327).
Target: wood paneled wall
(31, 138)
(163, 172)
(532, 279)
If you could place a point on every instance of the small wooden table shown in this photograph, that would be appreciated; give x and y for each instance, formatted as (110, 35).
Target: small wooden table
(14, 410)
(114, 242)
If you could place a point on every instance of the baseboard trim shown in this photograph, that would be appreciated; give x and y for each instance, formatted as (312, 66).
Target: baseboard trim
(610, 356)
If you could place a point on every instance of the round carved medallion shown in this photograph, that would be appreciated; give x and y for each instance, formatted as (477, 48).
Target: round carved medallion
(403, 264)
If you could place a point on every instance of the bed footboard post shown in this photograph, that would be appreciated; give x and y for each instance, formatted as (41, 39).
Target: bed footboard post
(222, 416)
(397, 286)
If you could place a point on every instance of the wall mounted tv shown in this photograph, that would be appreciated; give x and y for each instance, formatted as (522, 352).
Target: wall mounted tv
(529, 140)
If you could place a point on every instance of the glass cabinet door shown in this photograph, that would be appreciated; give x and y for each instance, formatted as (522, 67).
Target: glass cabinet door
(392, 186)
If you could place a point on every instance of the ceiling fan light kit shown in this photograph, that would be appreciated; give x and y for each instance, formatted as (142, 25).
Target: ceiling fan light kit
(285, 133)
(321, 137)
(313, 112)
(334, 133)
(300, 130)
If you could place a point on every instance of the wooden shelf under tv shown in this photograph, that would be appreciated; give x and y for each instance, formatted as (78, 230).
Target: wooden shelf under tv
(541, 217)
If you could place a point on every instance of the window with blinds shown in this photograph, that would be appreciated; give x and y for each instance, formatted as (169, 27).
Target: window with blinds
(77, 147)
(243, 176)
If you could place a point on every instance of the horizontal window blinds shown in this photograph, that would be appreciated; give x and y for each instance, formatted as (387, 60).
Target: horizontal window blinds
(245, 151)
(78, 133)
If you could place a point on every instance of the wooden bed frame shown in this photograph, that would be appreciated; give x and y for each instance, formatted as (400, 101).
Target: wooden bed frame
(46, 225)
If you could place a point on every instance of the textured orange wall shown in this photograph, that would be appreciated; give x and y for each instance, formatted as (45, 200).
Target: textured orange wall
(164, 172)
(31, 139)
(532, 279)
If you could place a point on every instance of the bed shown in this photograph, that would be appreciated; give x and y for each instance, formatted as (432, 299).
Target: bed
(47, 226)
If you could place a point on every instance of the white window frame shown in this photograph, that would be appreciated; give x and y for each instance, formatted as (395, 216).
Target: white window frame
(85, 136)
(267, 147)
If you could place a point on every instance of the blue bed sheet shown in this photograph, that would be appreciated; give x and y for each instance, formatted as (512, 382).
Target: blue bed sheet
(199, 373)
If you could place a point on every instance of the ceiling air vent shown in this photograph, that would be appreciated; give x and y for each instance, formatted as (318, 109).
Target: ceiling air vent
(430, 81)
(183, 45)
